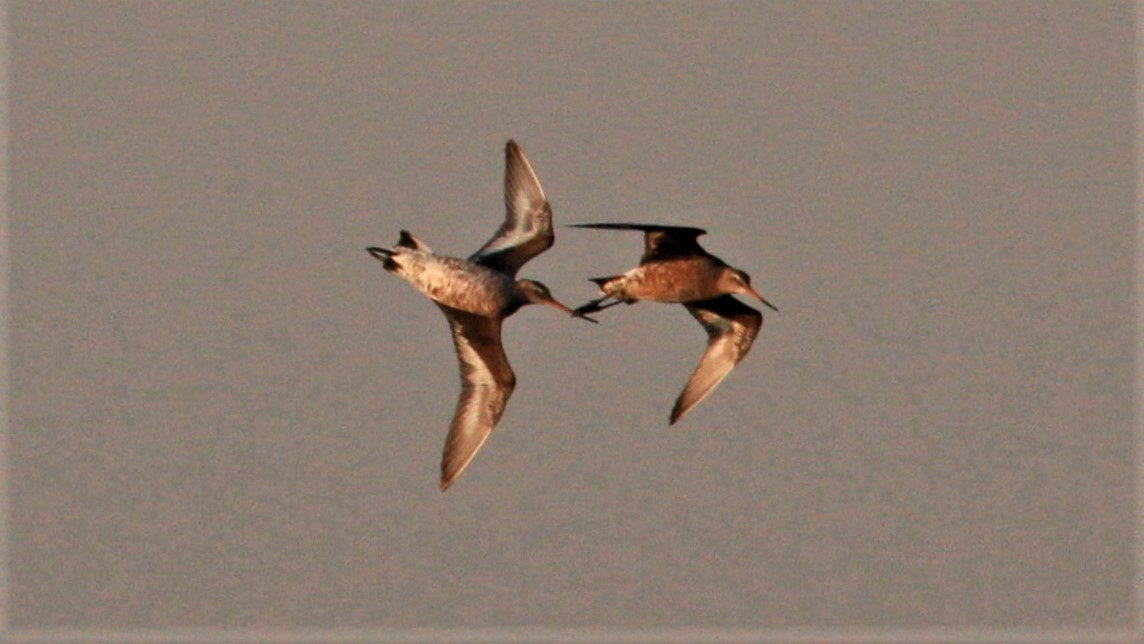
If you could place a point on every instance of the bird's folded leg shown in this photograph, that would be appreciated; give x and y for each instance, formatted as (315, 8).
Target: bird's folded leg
(594, 306)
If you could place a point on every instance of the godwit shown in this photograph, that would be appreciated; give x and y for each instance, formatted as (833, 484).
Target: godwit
(675, 268)
(476, 296)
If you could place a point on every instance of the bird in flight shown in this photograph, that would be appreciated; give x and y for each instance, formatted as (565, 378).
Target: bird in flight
(476, 295)
(676, 269)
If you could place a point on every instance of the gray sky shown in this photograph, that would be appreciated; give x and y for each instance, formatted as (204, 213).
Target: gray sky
(224, 413)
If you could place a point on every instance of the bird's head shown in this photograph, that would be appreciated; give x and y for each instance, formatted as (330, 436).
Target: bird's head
(734, 280)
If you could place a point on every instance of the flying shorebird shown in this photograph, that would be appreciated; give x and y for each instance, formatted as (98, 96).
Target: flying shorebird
(675, 268)
(476, 296)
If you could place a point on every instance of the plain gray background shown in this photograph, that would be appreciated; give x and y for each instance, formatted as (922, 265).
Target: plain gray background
(224, 413)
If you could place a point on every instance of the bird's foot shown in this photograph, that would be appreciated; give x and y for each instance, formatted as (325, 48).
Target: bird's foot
(594, 306)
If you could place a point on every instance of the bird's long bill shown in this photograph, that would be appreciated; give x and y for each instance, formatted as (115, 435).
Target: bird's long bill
(760, 298)
(557, 305)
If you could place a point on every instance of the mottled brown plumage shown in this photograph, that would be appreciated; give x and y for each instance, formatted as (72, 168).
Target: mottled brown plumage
(476, 295)
(676, 269)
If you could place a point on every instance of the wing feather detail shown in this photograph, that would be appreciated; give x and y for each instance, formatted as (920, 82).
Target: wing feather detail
(731, 330)
(527, 228)
(487, 382)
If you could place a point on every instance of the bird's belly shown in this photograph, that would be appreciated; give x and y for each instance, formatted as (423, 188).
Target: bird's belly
(456, 283)
(673, 282)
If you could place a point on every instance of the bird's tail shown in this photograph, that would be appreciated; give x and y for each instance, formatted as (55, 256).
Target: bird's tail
(602, 281)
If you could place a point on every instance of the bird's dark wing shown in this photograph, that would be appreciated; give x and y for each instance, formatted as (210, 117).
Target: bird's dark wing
(660, 242)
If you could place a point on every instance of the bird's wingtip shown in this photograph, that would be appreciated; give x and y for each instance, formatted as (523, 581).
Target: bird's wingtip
(679, 410)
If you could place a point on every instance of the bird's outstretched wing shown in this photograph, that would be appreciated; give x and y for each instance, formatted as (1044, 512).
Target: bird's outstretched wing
(660, 242)
(487, 382)
(731, 329)
(527, 228)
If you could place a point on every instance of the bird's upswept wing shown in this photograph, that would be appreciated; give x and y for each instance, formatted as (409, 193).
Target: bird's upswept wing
(527, 228)
(660, 242)
(731, 329)
(487, 382)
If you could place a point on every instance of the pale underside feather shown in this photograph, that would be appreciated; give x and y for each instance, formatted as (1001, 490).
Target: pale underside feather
(527, 228)
(731, 329)
(487, 382)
